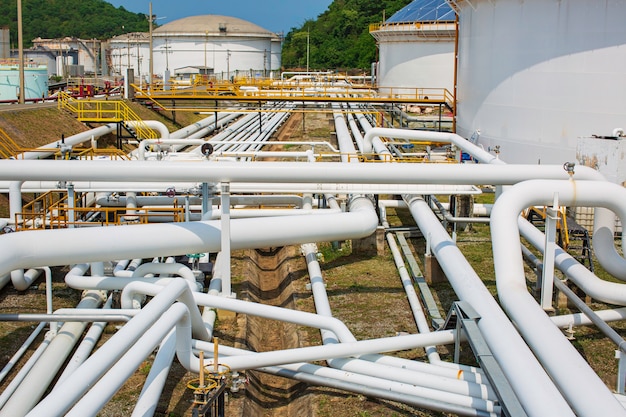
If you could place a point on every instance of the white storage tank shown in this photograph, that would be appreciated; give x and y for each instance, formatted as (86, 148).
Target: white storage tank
(416, 48)
(227, 46)
(536, 75)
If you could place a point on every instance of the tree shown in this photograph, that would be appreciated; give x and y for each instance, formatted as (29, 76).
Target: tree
(87, 19)
(340, 37)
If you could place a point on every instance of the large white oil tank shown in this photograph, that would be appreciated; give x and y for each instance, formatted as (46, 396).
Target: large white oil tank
(536, 75)
(416, 48)
(229, 46)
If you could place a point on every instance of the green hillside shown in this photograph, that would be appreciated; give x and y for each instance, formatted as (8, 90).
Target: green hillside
(85, 19)
(339, 38)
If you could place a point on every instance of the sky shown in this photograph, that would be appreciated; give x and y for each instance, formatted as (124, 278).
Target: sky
(274, 15)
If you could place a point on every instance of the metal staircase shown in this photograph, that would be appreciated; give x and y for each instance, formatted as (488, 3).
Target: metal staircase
(106, 111)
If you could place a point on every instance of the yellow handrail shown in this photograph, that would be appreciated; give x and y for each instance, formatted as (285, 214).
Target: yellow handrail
(8, 147)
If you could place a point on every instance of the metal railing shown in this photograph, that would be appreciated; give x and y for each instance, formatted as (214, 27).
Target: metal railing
(51, 210)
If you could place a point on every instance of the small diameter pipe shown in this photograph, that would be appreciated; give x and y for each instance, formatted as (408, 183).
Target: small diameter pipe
(371, 363)
(86, 346)
(348, 346)
(414, 303)
(20, 352)
(579, 384)
(593, 318)
(24, 370)
(375, 390)
(157, 377)
(518, 363)
(579, 319)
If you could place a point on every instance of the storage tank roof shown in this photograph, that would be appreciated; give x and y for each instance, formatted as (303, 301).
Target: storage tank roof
(423, 11)
(212, 24)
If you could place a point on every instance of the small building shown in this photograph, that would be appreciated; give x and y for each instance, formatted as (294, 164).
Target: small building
(189, 72)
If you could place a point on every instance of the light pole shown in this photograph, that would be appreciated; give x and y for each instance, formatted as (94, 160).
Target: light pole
(206, 40)
(20, 49)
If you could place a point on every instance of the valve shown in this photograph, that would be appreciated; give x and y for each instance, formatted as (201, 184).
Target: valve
(170, 192)
(569, 167)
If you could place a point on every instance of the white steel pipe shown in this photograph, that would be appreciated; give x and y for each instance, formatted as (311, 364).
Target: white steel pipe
(75, 278)
(458, 141)
(17, 380)
(70, 141)
(169, 268)
(579, 319)
(70, 246)
(590, 283)
(41, 375)
(151, 124)
(103, 390)
(541, 397)
(157, 377)
(185, 297)
(86, 346)
(603, 243)
(579, 384)
(101, 361)
(354, 382)
(287, 172)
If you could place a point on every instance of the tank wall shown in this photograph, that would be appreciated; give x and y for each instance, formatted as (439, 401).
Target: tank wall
(225, 55)
(35, 82)
(417, 64)
(535, 75)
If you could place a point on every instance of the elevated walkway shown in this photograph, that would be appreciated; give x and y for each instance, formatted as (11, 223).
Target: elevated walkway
(299, 91)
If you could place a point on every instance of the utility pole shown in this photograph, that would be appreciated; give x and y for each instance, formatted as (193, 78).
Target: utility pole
(20, 49)
(151, 65)
(308, 42)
